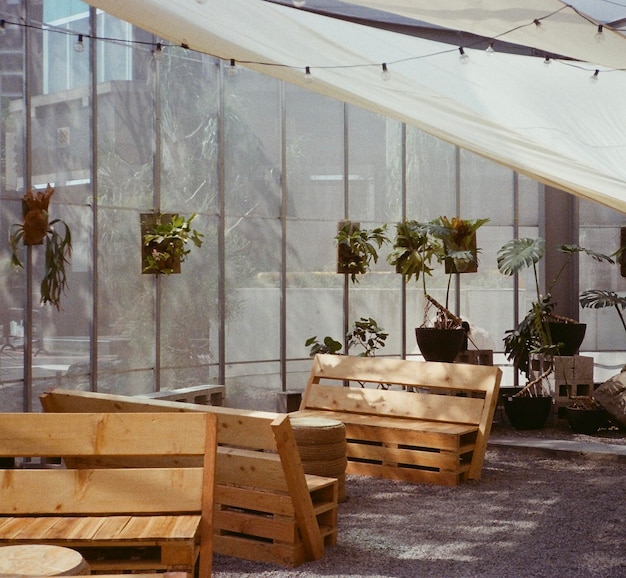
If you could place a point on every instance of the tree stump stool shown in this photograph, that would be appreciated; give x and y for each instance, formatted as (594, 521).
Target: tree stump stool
(24, 560)
(322, 447)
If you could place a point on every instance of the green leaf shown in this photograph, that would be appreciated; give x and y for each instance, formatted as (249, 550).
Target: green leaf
(519, 254)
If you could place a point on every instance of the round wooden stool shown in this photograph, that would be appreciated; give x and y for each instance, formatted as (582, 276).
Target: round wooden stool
(322, 448)
(41, 560)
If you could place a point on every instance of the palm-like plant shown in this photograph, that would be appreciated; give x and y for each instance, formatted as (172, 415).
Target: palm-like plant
(598, 299)
(532, 335)
(420, 247)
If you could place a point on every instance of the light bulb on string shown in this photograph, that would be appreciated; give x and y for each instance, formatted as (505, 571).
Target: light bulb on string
(298, 3)
(594, 76)
(3, 26)
(599, 36)
(385, 74)
(307, 75)
(79, 46)
(539, 27)
(464, 57)
(232, 69)
(158, 51)
(547, 61)
(489, 49)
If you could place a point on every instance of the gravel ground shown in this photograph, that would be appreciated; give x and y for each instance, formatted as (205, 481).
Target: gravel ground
(531, 514)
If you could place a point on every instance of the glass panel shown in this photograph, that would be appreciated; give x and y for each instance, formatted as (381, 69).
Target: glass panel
(315, 203)
(253, 229)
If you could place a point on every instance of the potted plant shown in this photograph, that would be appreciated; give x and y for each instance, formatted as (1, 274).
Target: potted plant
(536, 333)
(365, 333)
(164, 241)
(418, 249)
(36, 229)
(357, 248)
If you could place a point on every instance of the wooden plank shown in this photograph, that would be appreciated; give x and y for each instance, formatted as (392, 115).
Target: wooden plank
(399, 404)
(258, 499)
(52, 435)
(239, 427)
(429, 374)
(294, 475)
(98, 491)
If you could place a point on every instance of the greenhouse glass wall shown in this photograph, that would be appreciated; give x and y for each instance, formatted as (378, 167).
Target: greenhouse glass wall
(122, 124)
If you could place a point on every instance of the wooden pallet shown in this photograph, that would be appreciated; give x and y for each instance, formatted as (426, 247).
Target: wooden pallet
(422, 422)
(119, 518)
(266, 508)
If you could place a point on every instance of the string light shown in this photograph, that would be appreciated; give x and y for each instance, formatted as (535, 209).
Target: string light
(232, 69)
(298, 3)
(158, 50)
(594, 76)
(158, 47)
(385, 74)
(79, 46)
(307, 75)
(600, 34)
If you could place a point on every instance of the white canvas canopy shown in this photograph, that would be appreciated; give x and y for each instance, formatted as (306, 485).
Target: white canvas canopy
(550, 122)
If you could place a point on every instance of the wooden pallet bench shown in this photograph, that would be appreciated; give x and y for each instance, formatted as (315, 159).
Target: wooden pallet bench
(266, 507)
(120, 519)
(202, 394)
(423, 422)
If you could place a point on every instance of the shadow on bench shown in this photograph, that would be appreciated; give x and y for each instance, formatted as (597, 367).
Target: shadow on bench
(266, 507)
(424, 422)
(120, 519)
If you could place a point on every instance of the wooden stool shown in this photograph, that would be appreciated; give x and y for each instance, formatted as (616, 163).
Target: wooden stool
(41, 560)
(322, 447)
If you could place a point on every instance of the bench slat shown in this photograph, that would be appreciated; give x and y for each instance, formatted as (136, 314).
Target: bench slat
(424, 406)
(405, 372)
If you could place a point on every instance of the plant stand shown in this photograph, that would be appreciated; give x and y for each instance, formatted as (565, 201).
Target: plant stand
(572, 376)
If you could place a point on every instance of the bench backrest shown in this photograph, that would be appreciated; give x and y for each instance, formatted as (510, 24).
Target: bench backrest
(433, 391)
(255, 448)
(65, 491)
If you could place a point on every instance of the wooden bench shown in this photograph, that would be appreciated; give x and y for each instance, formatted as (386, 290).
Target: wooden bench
(120, 519)
(266, 507)
(409, 420)
(202, 394)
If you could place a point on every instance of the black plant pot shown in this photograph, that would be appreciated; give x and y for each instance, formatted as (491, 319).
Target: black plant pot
(585, 421)
(571, 335)
(440, 344)
(526, 413)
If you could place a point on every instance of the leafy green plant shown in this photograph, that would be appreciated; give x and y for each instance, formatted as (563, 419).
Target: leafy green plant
(368, 335)
(357, 248)
(598, 299)
(37, 230)
(165, 241)
(365, 333)
(532, 334)
(329, 345)
(420, 247)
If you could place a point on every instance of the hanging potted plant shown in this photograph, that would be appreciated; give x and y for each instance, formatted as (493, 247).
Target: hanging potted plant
(164, 241)
(357, 248)
(36, 229)
(541, 332)
(418, 249)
